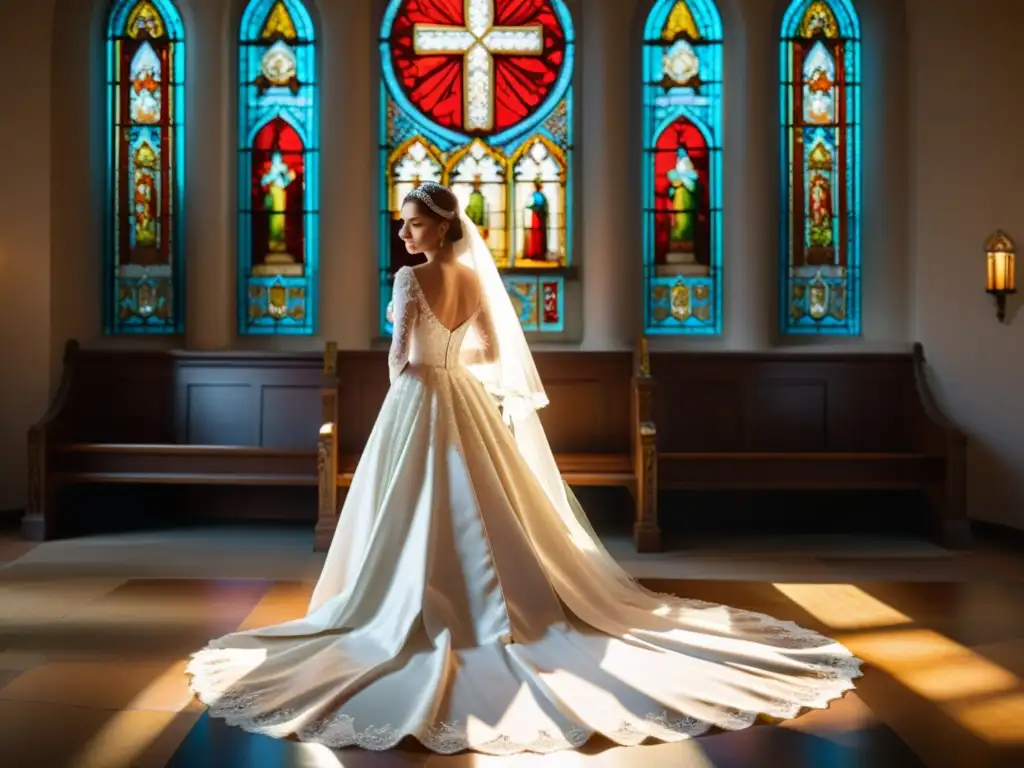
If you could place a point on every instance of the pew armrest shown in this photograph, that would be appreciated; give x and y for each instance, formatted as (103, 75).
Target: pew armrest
(937, 435)
(934, 432)
(327, 453)
(45, 433)
(644, 436)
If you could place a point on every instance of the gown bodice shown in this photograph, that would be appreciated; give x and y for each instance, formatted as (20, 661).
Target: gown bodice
(433, 344)
(420, 339)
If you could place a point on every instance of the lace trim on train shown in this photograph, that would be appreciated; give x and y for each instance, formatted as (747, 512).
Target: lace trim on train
(776, 632)
(835, 673)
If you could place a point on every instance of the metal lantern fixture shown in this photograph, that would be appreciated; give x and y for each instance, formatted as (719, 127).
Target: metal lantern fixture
(1001, 274)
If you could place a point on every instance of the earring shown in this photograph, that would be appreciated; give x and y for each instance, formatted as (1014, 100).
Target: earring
(441, 244)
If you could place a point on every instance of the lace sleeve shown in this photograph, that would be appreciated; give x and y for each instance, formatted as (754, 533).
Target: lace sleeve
(403, 314)
(484, 326)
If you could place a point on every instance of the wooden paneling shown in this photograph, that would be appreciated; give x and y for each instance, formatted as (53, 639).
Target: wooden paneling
(784, 402)
(362, 383)
(589, 394)
(699, 422)
(809, 422)
(173, 418)
(256, 399)
(187, 398)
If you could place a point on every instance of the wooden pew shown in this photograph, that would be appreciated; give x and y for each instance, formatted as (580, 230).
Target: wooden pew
(809, 422)
(596, 422)
(172, 418)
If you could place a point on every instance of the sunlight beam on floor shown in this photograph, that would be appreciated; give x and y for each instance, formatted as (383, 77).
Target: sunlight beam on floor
(843, 606)
(997, 719)
(982, 696)
(135, 730)
(932, 665)
(979, 694)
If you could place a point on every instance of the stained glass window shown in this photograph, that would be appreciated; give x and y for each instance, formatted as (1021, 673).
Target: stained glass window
(682, 181)
(477, 94)
(145, 169)
(820, 108)
(279, 164)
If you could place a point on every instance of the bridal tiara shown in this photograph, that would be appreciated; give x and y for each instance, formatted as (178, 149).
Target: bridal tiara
(424, 197)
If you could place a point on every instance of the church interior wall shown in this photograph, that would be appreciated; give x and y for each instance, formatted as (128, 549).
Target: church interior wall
(938, 165)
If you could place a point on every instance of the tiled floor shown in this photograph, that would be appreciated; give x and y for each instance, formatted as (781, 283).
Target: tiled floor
(94, 633)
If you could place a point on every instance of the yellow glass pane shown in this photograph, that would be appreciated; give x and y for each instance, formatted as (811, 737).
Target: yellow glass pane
(146, 20)
(680, 20)
(279, 22)
(819, 20)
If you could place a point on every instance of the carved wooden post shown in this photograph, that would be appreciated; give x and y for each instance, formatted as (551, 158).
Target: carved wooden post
(646, 533)
(40, 521)
(41, 491)
(938, 436)
(950, 502)
(327, 453)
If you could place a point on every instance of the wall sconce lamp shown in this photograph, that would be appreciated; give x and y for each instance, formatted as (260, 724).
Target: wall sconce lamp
(1001, 274)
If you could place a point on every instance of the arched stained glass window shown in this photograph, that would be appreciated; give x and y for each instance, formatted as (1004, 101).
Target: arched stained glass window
(144, 253)
(820, 109)
(477, 94)
(682, 169)
(279, 170)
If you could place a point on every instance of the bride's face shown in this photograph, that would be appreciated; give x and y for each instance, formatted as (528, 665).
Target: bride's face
(420, 233)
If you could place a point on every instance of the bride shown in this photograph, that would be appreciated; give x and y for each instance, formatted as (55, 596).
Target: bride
(465, 600)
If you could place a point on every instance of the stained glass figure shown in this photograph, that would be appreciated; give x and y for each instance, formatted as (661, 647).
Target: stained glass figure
(279, 163)
(144, 236)
(820, 108)
(682, 125)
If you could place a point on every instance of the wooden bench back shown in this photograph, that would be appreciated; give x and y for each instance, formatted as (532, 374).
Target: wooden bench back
(175, 397)
(790, 402)
(589, 392)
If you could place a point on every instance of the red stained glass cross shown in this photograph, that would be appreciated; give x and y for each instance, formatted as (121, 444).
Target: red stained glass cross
(478, 41)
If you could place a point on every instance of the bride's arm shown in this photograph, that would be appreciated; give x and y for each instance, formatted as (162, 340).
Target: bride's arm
(484, 326)
(402, 322)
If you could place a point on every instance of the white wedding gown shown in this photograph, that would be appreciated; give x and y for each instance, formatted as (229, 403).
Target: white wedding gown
(455, 606)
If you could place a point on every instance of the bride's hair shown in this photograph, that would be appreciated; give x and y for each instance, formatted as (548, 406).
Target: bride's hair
(439, 203)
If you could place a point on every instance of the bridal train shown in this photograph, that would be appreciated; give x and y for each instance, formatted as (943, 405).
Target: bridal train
(458, 607)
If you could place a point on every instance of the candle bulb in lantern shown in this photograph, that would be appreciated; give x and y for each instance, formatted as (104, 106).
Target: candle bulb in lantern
(1001, 276)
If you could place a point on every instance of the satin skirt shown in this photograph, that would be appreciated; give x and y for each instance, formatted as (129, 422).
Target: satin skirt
(455, 607)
